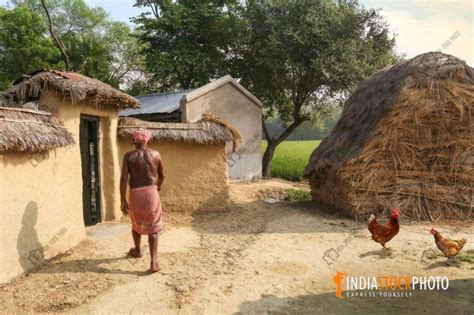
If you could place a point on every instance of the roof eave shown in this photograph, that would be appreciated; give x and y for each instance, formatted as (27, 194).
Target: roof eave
(216, 84)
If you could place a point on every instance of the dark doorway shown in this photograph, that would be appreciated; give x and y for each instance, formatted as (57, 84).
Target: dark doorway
(89, 142)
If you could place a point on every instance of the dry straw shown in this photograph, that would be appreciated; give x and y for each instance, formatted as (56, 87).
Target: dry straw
(405, 139)
(31, 131)
(71, 86)
(209, 130)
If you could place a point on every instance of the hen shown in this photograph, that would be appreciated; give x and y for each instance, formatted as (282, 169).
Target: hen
(382, 233)
(450, 248)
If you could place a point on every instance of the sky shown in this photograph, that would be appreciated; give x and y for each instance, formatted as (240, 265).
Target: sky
(421, 26)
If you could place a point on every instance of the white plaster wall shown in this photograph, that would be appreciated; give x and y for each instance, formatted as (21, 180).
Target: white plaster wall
(230, 103)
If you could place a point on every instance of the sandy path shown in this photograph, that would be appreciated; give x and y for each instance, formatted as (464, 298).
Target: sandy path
(255, 258)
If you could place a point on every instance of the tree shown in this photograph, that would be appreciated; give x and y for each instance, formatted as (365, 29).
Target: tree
(24, 47)
(89, 55)
(315, 129)
(137, 88)
(80, 34)
(127, 60)
(186, 42)
(89, 42)
(54, 36)
(301, 56)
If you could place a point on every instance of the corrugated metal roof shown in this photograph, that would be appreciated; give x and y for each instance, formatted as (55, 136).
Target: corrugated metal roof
(156, 103)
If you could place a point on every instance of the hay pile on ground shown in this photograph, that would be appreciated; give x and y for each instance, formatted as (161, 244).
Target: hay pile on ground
(209, 130)
(405, 139)
(75, 87)
(31, 131)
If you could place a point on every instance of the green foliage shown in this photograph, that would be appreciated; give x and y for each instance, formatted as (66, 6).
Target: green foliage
(297, 195)
(136, 88)
(299, 56)
(89, 55)
(186, 42)
(308, 130)
(24, 46)
(126, 54)
(70, 16)
(97, 47)
(291, 158)
(76, 17)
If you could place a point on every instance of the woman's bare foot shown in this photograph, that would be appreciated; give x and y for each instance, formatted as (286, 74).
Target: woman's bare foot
(154, 268)
(134, 253)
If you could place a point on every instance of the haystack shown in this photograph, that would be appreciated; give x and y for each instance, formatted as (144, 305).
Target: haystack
(23, 130)
(405, 139)
(209, 130)
(72, 86)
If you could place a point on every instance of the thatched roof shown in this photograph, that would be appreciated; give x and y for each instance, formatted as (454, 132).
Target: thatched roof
(31, 131)
(405, 138)
(209, 130)
(72, 86)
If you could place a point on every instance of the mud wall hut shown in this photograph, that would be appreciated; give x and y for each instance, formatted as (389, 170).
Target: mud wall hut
(34, 203)
(405, 139)
(194, 158)
(60, 169)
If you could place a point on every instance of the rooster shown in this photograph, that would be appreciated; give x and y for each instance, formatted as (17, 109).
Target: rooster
(382, 233)
(450, 248)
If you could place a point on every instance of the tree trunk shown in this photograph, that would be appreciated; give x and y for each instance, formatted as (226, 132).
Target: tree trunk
(273, 143)
(267, 159)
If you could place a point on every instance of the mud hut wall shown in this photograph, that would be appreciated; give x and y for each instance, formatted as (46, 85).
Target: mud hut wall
(41, 193)
(108, 151)
(195, 175)
(41, 208)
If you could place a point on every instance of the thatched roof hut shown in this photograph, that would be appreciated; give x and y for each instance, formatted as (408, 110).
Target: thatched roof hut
(31, 131)
(209, 130)
(405, 139)
(72, 86)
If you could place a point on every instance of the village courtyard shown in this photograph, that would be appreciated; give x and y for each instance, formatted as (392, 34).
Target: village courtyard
(314, 157)
(253, 258)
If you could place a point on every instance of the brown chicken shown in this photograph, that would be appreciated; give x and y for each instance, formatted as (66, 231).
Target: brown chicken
(382, 233)
(450, 248)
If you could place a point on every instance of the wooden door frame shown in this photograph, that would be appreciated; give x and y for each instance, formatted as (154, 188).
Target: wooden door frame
(87, 199)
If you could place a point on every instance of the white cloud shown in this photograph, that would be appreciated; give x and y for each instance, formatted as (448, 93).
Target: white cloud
(425, 26)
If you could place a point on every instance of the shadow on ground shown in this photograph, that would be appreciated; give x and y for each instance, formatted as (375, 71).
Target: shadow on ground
(101, 265)
(458, 299)
(443, 264)
(382, 253)
(258, 217)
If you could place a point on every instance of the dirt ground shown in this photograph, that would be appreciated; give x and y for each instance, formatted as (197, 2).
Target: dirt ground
(253, 258)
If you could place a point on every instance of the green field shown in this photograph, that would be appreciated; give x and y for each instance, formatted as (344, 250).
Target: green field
(291, 158)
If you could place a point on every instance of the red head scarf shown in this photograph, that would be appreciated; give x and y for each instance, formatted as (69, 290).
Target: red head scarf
(141, 135)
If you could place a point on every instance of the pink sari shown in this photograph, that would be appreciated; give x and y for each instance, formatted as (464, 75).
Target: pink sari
(145, 209)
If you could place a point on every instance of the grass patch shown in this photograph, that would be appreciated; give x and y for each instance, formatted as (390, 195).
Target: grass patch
(466, 256)
(291, 158)
(297, 195)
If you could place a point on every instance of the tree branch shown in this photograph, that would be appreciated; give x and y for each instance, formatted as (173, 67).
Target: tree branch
(55, 38)
(265, 131)
(288, 131)
(154, 9)
(297, 120)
